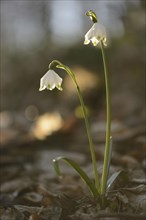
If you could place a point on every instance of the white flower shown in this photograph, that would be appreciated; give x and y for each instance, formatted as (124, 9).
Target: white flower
(96, 34)
(50, 80)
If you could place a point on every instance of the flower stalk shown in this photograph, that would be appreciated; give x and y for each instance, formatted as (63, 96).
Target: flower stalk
(90, 141)
(92, 150)
(108, 123)
(96, 35)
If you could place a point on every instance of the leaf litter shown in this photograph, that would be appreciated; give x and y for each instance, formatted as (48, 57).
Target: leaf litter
(31, 190)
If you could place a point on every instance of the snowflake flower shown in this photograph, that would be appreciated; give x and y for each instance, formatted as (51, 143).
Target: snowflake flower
(50, 80)
(96, 34)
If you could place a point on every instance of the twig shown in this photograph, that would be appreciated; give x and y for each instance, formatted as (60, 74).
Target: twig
(121, 215)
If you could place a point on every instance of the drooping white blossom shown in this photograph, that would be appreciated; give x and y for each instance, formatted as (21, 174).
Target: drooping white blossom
(96, 34)
(50, 80)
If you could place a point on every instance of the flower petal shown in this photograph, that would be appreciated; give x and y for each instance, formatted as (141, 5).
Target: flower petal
(96, 34)
(50, 80)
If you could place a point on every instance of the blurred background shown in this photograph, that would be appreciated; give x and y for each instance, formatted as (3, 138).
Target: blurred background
(37, 127)
(33, 33)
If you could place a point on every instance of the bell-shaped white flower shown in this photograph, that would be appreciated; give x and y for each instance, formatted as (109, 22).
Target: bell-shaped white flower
(96, 34)
(50, 80)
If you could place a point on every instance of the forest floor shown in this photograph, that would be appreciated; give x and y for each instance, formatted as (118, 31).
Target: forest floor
(31, 190)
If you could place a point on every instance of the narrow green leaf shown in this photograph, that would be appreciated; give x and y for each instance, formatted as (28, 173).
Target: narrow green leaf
(109, 158)
(56, 166)
(76, 167)
(113, 178)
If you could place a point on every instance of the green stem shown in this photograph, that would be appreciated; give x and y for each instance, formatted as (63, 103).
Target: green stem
(108, 124)
(90, 141)
(67, 69)
(88, 131)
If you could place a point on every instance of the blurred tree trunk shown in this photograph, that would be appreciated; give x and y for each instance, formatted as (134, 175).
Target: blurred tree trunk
(45, 15)
(41, 10)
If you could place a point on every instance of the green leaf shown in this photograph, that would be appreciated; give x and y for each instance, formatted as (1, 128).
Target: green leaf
(113, 178)
(109, 158)
(76, 167)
